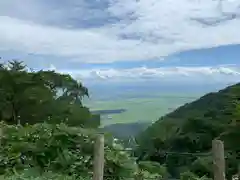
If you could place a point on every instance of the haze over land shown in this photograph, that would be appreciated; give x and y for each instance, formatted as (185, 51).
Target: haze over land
(143, 103)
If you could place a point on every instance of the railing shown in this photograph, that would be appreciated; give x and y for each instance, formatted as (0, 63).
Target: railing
(217, 154)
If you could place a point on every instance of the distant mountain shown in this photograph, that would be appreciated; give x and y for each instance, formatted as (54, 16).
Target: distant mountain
(191, 128)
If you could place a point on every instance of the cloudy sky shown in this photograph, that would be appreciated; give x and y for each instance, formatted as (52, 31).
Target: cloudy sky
(125, 39)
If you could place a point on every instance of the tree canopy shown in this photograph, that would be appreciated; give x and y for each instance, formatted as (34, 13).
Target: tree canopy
(31, 97)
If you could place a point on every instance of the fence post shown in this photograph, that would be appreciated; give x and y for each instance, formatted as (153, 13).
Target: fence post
(238, 171)
(98, 164)
(218, 160)
(1, 134)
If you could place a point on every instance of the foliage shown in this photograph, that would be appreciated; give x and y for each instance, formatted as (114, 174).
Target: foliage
(33, 174)
(191, 128)
(69, 150)
(154, 168)
(33, 97)
(190, 176)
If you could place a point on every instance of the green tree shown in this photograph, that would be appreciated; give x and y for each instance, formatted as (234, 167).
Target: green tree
(31, 97)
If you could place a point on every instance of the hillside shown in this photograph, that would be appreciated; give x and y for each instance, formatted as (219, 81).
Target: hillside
(191, 128)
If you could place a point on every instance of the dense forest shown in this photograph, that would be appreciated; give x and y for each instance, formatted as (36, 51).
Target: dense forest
(191, 128)
(47, 133)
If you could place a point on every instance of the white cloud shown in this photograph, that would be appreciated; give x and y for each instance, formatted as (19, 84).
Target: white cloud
(159, 29)
(177, 74)
(87, 45)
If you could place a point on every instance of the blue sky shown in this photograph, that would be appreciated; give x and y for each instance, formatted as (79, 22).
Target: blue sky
(124, 40)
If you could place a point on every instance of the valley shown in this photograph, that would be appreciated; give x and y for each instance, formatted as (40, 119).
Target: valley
(129, 114)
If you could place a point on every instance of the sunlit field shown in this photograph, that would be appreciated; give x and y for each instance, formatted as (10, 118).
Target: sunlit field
(142, 109)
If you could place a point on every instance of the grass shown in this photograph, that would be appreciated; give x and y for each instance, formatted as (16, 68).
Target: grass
(142, 109)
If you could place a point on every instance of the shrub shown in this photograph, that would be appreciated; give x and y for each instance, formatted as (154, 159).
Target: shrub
(65, 150)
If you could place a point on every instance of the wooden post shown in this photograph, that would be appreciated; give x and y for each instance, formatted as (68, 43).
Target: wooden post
(238, 171)
(218, 160)
(1, 134)
(98, 165)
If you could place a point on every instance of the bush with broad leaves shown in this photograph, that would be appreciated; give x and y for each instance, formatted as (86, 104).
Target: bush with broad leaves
(65, 150)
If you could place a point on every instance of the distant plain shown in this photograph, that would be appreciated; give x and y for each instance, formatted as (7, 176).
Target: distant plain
(142, 109)
(142, 103)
